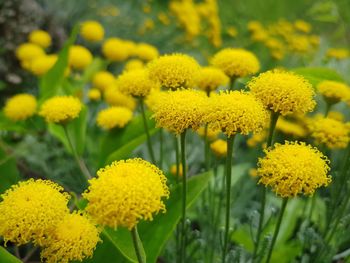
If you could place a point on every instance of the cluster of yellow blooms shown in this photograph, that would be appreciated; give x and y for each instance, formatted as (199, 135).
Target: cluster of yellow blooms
(334, 91)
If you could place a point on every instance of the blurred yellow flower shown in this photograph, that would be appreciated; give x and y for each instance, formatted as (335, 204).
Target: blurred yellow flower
(210, 78)
(42, 64)
(114, 117)
(232, 31)
(133, 64)
(20, 107)
(338, 53)
(79, 57)
(173, 170)
(291, 128)
(257, 138)
(29, 51)
(211, 134)
(219, 147)
(113, 96)
(94, 94)
(114, 49)
(102, 80)
(334, 91)
(146, 51)
(303, 26)
(92, 31)
(40, 38)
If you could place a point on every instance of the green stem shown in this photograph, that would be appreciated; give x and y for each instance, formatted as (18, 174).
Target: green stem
(328, 108)
(277, 229)
(206, 148)
(232, 83)
(273, 121)
(149, 143)
(161, 134)
(184, 193)
(230, 141)
(137, 245)
(78, 159)
(312, 205)
(177, 158)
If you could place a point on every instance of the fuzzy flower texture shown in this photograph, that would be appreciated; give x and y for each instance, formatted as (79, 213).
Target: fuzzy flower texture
(113, 117)
(20, 107)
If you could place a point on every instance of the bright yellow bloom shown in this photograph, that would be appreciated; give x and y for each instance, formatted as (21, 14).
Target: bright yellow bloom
(92, 31)
(146, 51)
(136, 83)
(211, 134)
(29, 51)
(41, 65)
(30, 210)
(293, 168)
(79, 57)
(334, 91)
(283, 92)
(94, 94)
(219, 148)
(74, 238)
(179, 110)
(338, 53)
(133, 64)
(40, 38)
(114, 117)
(210, 78)
(126, 192)
(20, 107)
(302, 26)
(235, 112)
(102, 80)
(173, 170)
(174, 71)
(113, 96)
(236, 62)
(114, 49)
(332, 133)
(291, 128)
(61, 109)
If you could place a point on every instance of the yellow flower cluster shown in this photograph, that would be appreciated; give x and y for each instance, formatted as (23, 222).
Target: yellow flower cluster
(60, 109)
(330, 132)
(219, 148)
(293, 168)
(235, 112)
(40, 38)
(102, 80)
(113, 96)
(179, 110)
(92, 31)
(291, 128)
(236, 62)
(126, 192)
(334, 91)
(283, 92)
(174, 71)
(20, 107)
(114, 117)
(338, 53)
(79, 57)
(210, 78)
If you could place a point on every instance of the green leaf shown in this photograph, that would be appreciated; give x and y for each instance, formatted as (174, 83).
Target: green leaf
(8, 125)
(9, 174)
(318, 74)
(7, 257)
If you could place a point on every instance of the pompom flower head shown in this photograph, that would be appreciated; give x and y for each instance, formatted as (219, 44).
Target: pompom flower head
(146, 51)
(283, 92)
(210, 78)
(20, 107)
(219, 148)
(40, 38)
(102, 80)
(114, 97)
(236, 62)
(179, 110)
(114, 49)
(92, 31)
(133, 64)
(114, 117)
(333, 91)
(42, 64)
(235, 112)
(29, 51)
(79, 57)
(74, 238)
(293, 168)
(94, 94)
(174, 71)
(60, 109)
(126, 192)
(30, 210)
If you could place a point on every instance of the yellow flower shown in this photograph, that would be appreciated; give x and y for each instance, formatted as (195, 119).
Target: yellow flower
(30, 210)
(283, 92)
(314, 40)
(334, 91)
(113, 96)
(291, 128)
(94, 94)
(133, 64)
(293, 168)
(338, 53)
(74, 238)
(210, 78)
(136, 83)
(114, 49)
(41, 65)
(146, 51)
(60, 109)
(257, 138)
(102, 80)
(232, 31)
(302, 26)
(179, 110)
(29, 51)
(174, 71)
(235, 112)
(219, 148)
(40, 38)
(336, 115)
(126, 192)
(173, 170)
(211, 134)
(20, 107)
(253, 172)
(92, 31)
(332, 133)
(79, 57)
(236, 62)
(114, 117)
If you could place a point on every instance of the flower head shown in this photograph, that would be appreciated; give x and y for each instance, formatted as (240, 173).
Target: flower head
(60, 109)
(219, 148)
(338, 53)
(174, 71)
(113, 96)
(29, 51)
(114, 117)
(235, 112)
(30, 210)
(102, 80)
(133, 64)
(42, 64)
(92, 31)
(125, 192)
(40, 38)
(179, 110)
(94, 94)
(146, 51)
(114, 49)
(236, 62)
(79, 57)
(293, 168)
(291, 128)
(334, 91)
(20, 107)
(74, 238)
(283, 92)
(210, 78)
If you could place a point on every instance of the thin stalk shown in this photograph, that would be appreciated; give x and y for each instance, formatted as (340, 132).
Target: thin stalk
(232, 83)
(78, 159)
(277, 229)
(206, 148)
(137, 245)
(161, 135)
(149, 143)
(273, 121)
(177, 158)
(230, 141)
(312, 205)
(178, 229)
(184, 196)
(328, 108)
